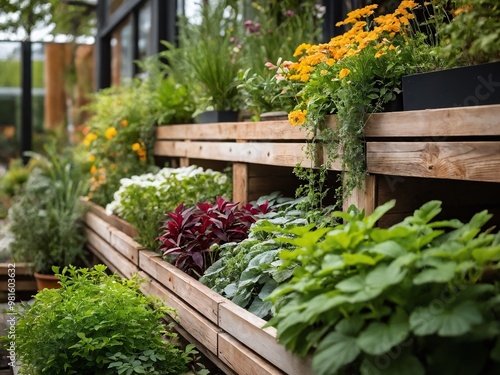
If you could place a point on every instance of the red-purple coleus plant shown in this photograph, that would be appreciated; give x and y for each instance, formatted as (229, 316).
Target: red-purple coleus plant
(190, 232)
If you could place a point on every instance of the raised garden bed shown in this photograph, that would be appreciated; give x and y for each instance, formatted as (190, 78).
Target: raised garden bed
(228, 335)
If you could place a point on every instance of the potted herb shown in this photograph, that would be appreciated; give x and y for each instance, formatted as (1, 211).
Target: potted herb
(96, 324)
(210, 55)
(44, 220)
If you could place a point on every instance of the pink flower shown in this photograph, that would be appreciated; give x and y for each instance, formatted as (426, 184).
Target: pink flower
(270, 65)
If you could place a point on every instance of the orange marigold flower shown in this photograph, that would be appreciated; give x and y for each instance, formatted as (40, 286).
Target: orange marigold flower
(91, 158)
(344, 73)
(297, 117)
(301, 49)
(93, 169)
(379, 53)
(124, 123)
(110, 132)
(89, 138)
(136, 146)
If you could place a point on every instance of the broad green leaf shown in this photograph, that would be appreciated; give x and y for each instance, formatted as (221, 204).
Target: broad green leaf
(485, 255)
(444, 320)
(333, 352)
(396, 232)
(442, 274)
(404, 364)
(260, 308)
(353, 284)
(379, 337)
(390, 249)
(384, 275)
(355, 259)
(425, 213)
(230, 290)
(379, 212)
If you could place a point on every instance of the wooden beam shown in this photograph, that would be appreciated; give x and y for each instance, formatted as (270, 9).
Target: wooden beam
(477, 161)
(364, 198)
(240, 183)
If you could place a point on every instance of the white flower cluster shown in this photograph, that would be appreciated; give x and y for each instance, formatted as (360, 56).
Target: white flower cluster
(156, 185)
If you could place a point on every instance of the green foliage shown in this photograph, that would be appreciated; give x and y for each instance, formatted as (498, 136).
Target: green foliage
(96, 324)
(388, 301)
(11, 76)
(14, 179)
(210, 56)
(248, 271)
(143, 200)
(472, 35)
(45, 218)
(119, 137)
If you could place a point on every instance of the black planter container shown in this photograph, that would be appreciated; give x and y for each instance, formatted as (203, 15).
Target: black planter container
(217, 116)
(456, 87)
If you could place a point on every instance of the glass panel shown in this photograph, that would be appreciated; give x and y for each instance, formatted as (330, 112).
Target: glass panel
(121, 53)
(10, 100)
(144, 32)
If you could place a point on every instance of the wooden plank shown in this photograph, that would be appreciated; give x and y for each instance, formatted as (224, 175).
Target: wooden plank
(102, 260)
(109, 255)
(282, 154)
(204, 331)
(22, 269)
(478, 161)
(21, 285)
(443, 122)
(240, 183)
(364, 198)
(261, 130)
(113, 220)
(243, 360)
(195, 294)
(247, 328)
(101, 227)
(125, 245)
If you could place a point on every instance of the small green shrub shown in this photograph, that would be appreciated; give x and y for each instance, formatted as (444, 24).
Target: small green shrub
(96, 324)
(15, 178)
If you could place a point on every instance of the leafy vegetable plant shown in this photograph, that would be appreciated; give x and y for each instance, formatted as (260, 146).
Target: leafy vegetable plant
(96, 324)
(189, 233)
(401, 300)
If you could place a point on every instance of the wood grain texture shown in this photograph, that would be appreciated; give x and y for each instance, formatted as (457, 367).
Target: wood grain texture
(198, 326)
(195, 294)
(101, 227)
(247, 328)
(110, 255)
(125, 245)
(262, 130)
(240, 183)
(243, 360)
(443, 123)
(477, 161)
(113, 220)
(363, 198)
(100, 259)
(282, 154)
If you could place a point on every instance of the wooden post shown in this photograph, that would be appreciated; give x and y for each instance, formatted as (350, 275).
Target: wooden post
(240, 183)
(364, 198)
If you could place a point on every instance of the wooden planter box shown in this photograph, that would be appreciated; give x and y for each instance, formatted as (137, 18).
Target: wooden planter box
(25, 284)
(228, 335)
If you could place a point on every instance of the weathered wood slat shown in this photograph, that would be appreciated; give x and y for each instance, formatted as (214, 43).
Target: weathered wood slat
(98, 255)
(112, 220)
(262, 130)
(242, 360)
(21, 269)
(98, 225)
(247, 328)
(282, 154)
(204, 331)
(125, 245)
(107, 253)
(21, 285)
(477, 161)
(195, 294)
(364, 198)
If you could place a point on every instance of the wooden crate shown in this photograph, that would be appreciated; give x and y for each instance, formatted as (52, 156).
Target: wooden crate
(25, 284)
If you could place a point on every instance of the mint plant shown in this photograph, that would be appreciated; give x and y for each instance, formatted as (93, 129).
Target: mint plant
(404, 299)
(96, 324)
(190, 233)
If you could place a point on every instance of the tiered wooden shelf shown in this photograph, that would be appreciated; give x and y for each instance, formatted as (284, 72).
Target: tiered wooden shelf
(458, 148)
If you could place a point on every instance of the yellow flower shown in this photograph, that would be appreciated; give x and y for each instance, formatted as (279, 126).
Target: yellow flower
(89, 138)
(136, 147)
(344, 73)
(93, 169)
(91, 158)
(379, 53)
(124, 123)
(110, 132)
(297, 117)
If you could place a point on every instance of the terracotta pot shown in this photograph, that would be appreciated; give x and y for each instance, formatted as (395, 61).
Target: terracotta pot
(46, 281)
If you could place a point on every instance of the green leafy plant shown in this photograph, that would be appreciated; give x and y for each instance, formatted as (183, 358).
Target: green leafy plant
(143, 200)
(404, 299)
(45, 219)
(210, 56)
(13, 181)
(96, 324)
(118, 138)
(189, 233)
